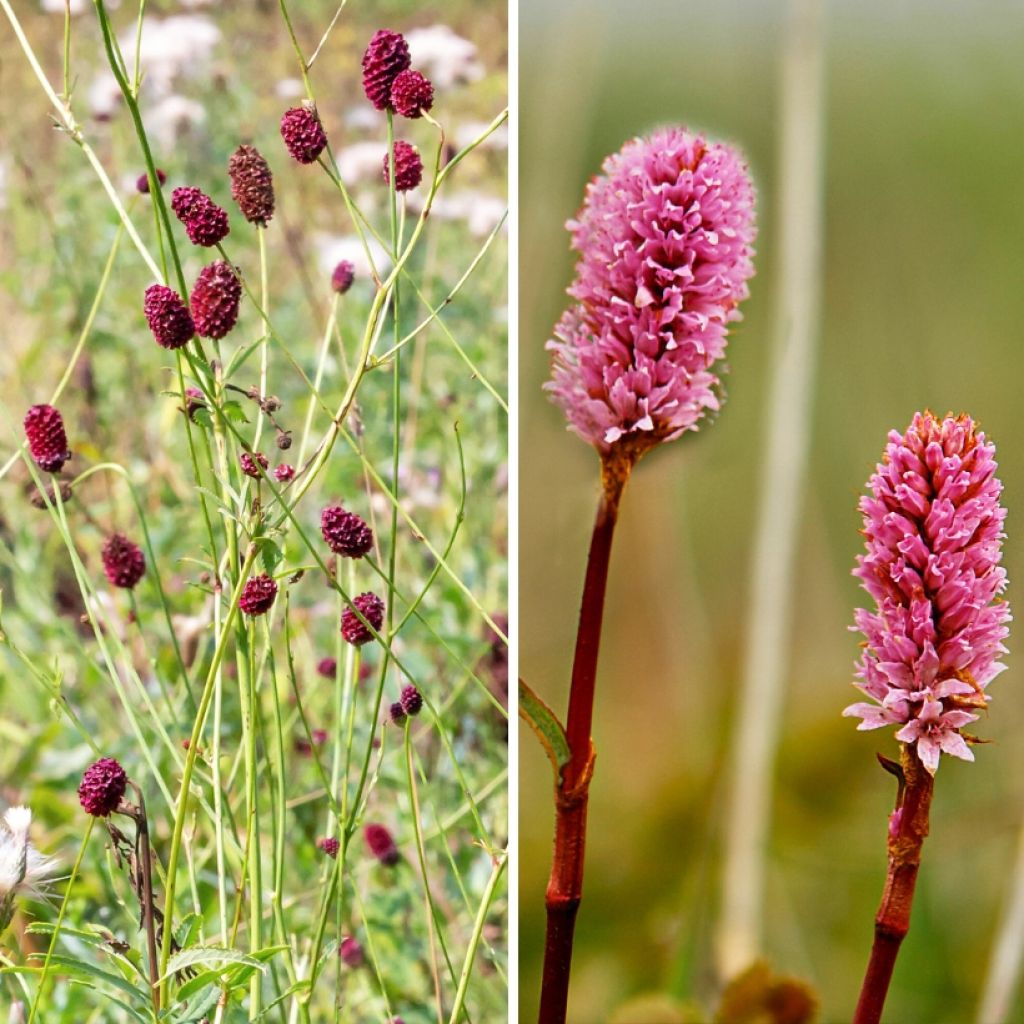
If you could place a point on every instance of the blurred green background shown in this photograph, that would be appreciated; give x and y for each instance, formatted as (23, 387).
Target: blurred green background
(923, 306)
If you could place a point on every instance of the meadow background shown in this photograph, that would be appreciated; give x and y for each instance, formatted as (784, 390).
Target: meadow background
(923, 305)
(216, 75)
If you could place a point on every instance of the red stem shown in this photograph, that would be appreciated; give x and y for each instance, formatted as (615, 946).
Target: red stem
(892, 921)
(565, 887)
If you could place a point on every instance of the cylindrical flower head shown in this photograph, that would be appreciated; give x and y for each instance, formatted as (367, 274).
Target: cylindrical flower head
(257, 595)
(102, 787)
(327, 667)
(123, 562)
(216, 296)
(411, 94)
(345, 532)
(934, 528)
(381, 845)
(142, 182)
(372, 609)
(284, 472)
(664, 239)
(412, 700)
(205, 222)
(168, 317)
(252, 185)
(47, 441)
(303, 134)
(351, 952)
(343, 276)
(251, 462)
(397, 713)
(408, 166)
(386, 57)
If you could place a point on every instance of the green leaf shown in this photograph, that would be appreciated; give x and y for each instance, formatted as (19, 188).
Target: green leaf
(548, 729)
(234, 412)
(270, 554)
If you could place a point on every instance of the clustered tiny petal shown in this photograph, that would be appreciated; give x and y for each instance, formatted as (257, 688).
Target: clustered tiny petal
(303, 134)
(372, 609)
(934, 529)
(327, 667)
(351, 952)
(47, 440)
(102, 787)
(412, 700)
(257, 595)
(665, 243)
(284, 472)
(329, 845)
(412, 95)
(168, 317)
(142, 182)
(252, 185)
(123, 561)
(386, 57)
(346, 533)
(215, 299)
(252, 462)
(408, 166)
(397, 713)
(205, 222)
(381, 844)
(343, 276)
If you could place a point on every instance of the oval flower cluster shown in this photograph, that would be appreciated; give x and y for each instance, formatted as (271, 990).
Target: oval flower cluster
(665, 242)
(934, 528)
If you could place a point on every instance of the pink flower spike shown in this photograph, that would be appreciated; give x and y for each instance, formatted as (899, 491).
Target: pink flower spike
(934, 529)
(665, 242)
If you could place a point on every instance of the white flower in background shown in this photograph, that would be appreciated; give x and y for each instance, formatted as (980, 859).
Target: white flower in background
(104, 96)
(364, 117)
(23, 869)
(362, 161)
(179, 45)
(480, 212)
(289, 89)
(332, 249)
(472, 130)
(77, 6)
(171, 117)
(444, 57)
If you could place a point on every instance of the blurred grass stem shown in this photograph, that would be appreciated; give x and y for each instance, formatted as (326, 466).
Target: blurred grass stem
(769, 616)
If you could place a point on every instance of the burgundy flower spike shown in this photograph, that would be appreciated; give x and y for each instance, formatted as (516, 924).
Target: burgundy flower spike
(123, 562)
(47, 441)
(102, 787)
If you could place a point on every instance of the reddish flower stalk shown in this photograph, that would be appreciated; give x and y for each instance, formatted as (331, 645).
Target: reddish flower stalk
(565, 886)
(908, 826)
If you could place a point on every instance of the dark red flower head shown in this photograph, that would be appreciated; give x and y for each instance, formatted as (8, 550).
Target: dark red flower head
(257, 595)
(102, 787)
(345, 532)
(123, 561)
(372, 609)
(47, 441)
(412, 700)
(412, 95)
(284, 472)
(381, 845)
(168, 317)
(343, 276)
(327, 667)
(251, 463)
(142, 182)
(215, 300)
(252, 185)
(385, 59)
(408, 167)
(205, 222)
(351, 952)
(329, 845)
(303, 134)
(397, 713)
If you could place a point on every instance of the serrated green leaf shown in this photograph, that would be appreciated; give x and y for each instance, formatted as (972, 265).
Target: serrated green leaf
(234, 412)
(208, 955)
(270, 554)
